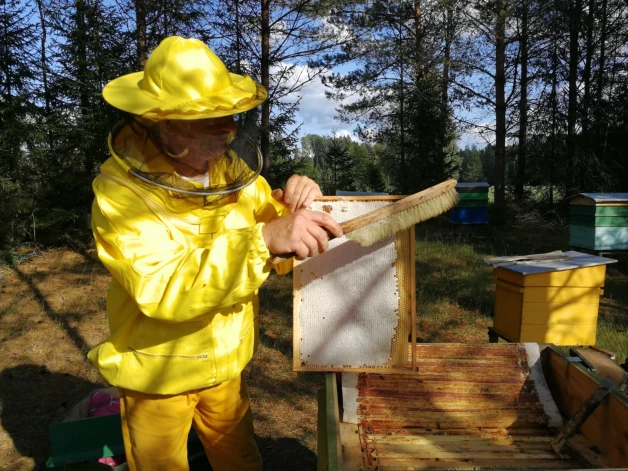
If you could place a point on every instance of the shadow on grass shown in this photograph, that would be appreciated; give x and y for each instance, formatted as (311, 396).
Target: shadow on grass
(31, 397)
(285, 454)
(440, 278)
(276, 314)
(496, 240)
(278, 454)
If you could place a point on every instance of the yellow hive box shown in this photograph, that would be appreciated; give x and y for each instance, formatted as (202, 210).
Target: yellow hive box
(550, 301)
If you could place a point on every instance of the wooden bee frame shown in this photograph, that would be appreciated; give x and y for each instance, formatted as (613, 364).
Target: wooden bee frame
(330, 266)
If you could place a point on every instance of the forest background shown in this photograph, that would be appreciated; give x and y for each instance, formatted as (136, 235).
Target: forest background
(544, 83)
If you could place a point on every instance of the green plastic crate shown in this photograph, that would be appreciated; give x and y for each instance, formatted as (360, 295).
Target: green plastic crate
(77, 445)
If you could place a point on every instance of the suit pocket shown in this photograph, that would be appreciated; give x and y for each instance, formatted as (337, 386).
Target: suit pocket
(181, 368)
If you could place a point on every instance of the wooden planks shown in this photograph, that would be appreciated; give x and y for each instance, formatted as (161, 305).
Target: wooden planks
(560, 334)
(599, 211)
(598, 221)
(599, 238)
(557, 313)
(469, 407)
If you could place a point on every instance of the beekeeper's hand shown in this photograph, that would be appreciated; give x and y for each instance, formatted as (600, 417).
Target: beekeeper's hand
(299, 193)
(302, 232)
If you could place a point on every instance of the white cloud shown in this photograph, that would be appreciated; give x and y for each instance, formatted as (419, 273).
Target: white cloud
(317, 114)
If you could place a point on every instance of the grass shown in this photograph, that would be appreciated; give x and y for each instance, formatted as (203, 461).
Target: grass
(52, 311)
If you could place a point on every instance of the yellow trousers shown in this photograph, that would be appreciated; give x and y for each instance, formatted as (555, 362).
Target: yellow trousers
(155, 428)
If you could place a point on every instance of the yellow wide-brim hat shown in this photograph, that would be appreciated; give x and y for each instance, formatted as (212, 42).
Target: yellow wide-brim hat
(184, 79)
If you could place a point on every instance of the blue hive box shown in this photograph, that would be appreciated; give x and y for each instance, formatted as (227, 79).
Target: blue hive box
(473, 205)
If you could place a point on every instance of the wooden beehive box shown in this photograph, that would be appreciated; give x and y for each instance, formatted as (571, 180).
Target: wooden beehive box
(354, 306)
(550, 301)
(471, 407)
(473, 205)
(599, 221)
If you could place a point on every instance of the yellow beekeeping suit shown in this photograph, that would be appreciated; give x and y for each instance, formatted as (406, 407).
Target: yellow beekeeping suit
(183, 302)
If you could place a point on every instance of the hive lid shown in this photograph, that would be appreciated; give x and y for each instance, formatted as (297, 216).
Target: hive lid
(553, 261)
(599, 198)
(472, 185)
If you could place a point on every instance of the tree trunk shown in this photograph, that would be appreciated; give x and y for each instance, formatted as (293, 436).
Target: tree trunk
(602, 58)
(575, 6)
(586, 76)
(599, 112)
(402, 131)
(238, 38)
(554, 105)
(140, 32)
(586, 100)
(444, 100)
(265, 66)
(44, 64)
(447, 54)
(523, 104)
(83, 79)
(418, 26)
(500, 104)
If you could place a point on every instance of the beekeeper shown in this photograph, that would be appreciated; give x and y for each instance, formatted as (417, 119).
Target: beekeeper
(186, 226)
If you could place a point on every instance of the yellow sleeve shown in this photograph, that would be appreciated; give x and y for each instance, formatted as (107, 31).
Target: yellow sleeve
(167, 279)
(268, 209)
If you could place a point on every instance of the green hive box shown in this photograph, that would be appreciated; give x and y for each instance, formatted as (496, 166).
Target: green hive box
(79, 444)
(599, 221)
(472, 207)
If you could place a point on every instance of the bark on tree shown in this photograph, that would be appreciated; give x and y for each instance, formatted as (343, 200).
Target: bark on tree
(140, 32)
(82, 75)
(575, 7)
(586, 99)
(600, 82)
(554, 106)
(500, 103)
(418, 26)
(523, 103)
(265, 66)
(602, 58)
(586, 75)
(44, 63)
(444, 100)
(402, 124)
(238, 47)
(447, 54)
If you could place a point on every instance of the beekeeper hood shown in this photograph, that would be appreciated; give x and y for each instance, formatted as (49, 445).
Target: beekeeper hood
(181, 134)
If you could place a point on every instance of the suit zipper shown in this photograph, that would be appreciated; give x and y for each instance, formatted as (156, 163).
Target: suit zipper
(159, 355)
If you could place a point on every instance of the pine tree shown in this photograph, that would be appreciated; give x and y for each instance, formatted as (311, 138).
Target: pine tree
(17, 115)
(339, 164)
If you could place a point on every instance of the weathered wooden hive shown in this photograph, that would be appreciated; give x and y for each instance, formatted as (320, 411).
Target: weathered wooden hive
(493, 406)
